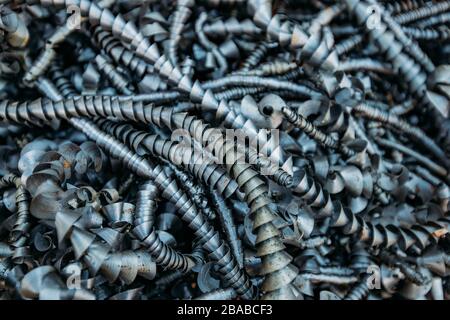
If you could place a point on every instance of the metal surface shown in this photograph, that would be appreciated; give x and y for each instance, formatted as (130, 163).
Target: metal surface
(268, 150)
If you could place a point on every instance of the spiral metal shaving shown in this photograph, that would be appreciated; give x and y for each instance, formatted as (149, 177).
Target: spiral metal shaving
(117, 80)
(315, 134)
(17, 34)
(19, 235)
(422, 12)
(388, 42)
(181, 15)
(210, 239)
(277, 269)
(224, 149)
(146, 233)
(358, 292)
(316, 48)
(61, 81)
(213, 175)
(400, 6)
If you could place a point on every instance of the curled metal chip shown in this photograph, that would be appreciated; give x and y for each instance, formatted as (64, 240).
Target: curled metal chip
(275, 150)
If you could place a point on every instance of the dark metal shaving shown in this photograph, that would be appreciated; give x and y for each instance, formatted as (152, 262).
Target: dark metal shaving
(224, 149)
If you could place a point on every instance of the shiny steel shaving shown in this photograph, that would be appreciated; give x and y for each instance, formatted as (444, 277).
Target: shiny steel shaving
(224, 149)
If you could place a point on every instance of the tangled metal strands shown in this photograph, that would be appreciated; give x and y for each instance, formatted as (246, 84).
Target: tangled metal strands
(17, 243)
(224, 149)
(210, 239)
(179, 18)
